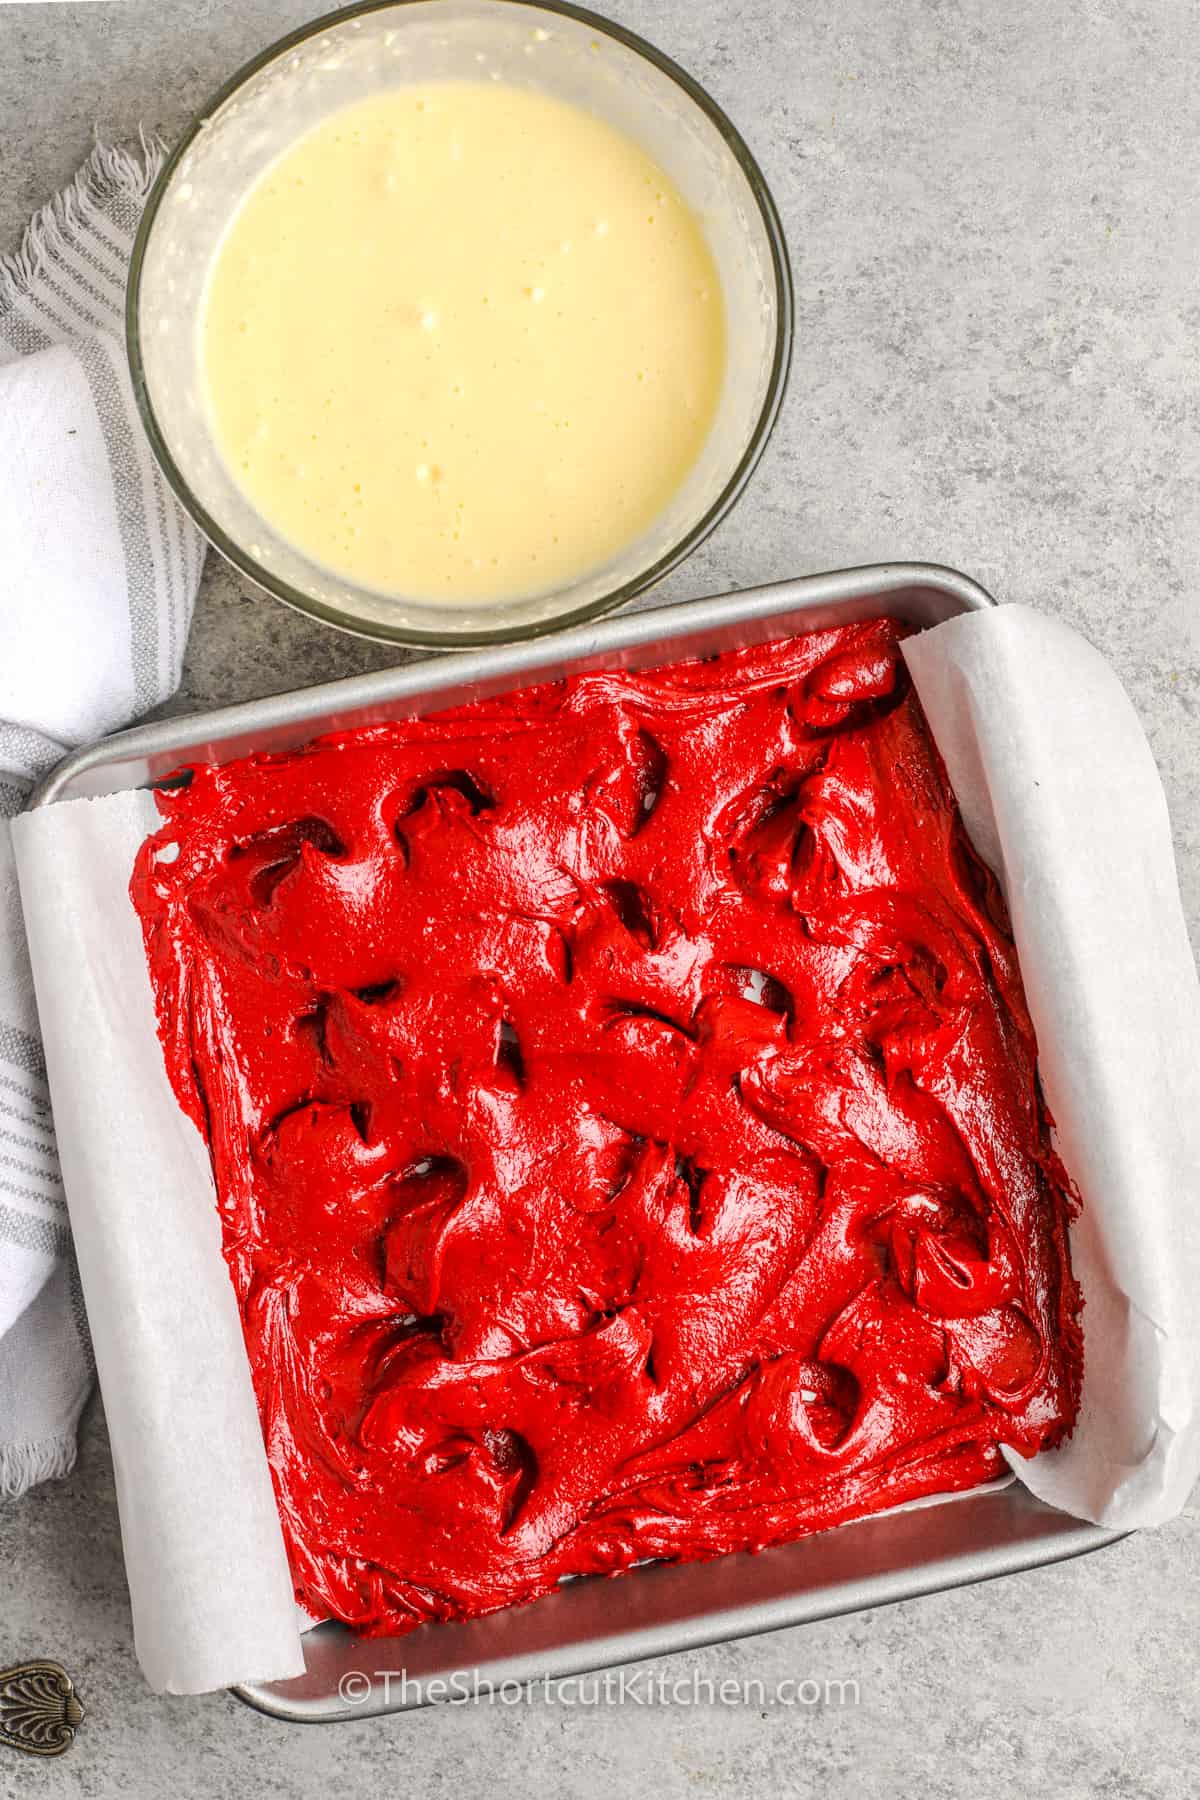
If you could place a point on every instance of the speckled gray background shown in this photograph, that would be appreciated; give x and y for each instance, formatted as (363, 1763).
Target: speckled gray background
(994, 214)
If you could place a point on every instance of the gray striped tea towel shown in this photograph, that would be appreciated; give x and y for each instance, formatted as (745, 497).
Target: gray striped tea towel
(98, 573)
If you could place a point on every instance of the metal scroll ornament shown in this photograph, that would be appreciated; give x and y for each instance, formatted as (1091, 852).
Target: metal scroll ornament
(38, 1708)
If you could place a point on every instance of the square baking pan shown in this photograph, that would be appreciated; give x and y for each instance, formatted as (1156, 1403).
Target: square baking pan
(656, 1608)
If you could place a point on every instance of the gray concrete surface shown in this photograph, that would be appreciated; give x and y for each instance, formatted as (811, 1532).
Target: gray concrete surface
(994, 214)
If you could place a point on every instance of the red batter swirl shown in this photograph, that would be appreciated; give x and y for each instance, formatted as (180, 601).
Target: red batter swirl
(624, 1117)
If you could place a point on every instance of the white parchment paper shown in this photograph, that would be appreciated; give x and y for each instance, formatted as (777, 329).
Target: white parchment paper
(208, 1575)
(1061, 796)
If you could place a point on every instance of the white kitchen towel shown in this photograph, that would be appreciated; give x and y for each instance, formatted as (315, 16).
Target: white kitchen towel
(98, 573)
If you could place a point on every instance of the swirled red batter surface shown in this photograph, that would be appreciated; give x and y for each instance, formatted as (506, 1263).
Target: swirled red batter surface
(623, 1110)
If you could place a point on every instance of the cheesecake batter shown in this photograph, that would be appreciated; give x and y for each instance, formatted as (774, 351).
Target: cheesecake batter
(463, 341)
(624, 1117)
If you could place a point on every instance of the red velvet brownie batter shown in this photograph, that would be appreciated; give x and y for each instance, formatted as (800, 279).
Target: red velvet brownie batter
(623, 1111)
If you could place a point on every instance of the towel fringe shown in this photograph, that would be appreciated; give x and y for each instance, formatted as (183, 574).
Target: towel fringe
(22, 1466)
(110, 173)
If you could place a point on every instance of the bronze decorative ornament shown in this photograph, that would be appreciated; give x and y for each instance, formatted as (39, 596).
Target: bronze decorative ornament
(39, 1710)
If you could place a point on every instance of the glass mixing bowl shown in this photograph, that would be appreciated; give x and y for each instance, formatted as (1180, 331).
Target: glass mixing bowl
(560, 50)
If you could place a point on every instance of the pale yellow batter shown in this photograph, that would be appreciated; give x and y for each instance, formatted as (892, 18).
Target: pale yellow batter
(463, 341)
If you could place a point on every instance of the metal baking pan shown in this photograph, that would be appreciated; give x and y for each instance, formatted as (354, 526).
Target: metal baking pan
(656, 1608)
